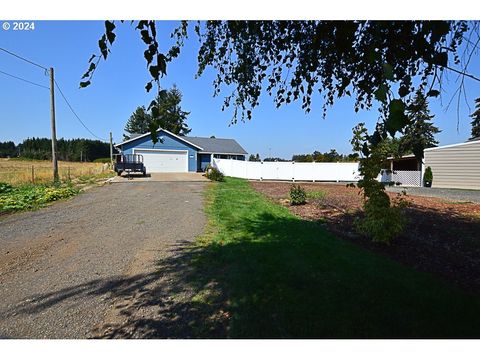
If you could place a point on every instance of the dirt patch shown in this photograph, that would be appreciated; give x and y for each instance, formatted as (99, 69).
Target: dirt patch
(441, 237)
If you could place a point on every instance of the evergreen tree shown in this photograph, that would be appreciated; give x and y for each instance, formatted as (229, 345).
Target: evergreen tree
(171, 117)
(254, 158)
(420, 133)
(476, 120)
(138, 123)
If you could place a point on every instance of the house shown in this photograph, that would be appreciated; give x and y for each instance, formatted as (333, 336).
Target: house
(406, 170)
(455, 166)
(174, 153)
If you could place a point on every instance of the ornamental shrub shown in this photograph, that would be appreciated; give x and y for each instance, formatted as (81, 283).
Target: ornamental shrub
(428, 176)
(214, 174)
(298, 195)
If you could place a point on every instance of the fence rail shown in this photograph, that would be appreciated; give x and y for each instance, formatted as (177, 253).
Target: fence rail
(292, 171)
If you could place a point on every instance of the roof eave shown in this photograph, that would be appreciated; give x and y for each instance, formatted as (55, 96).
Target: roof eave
(166, 131)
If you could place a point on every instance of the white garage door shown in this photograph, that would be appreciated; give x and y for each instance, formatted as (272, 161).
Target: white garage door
(164, 160)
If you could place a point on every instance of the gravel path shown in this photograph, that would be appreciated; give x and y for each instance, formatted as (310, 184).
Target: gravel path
(448, 194)
(67, 269)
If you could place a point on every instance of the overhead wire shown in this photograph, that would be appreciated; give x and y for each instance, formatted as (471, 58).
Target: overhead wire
(75, 114)
(56, 84)
(22, 58)
(25, 80)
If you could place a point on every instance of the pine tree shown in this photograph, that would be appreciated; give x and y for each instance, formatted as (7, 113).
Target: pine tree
(171, 116)
(420, 133)
(476, 121)
(138, 123)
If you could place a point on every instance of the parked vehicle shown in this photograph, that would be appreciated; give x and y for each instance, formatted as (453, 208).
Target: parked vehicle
(130, 163)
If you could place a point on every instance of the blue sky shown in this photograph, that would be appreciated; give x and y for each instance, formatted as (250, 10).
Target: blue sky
(118, 88)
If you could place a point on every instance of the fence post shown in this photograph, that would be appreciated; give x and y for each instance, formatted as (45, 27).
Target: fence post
(261, 170)
(293, 171)
(68, 171)
(33, 175)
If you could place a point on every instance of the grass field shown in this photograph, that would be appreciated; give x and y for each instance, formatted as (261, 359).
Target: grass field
(273, 275)
(19, 172)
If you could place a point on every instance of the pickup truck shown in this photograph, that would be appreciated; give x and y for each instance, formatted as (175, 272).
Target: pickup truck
(129, 163)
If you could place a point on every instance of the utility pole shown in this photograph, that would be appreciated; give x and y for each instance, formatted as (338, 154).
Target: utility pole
(54, 131)
(111, 151)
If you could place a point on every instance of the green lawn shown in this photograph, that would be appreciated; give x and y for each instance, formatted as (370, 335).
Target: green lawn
(278, 276)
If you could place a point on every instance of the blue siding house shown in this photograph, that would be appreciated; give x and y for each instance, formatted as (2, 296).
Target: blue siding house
(174, 153)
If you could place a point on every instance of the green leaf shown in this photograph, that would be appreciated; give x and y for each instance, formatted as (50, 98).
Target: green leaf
(388, 71)
(84, 84)
(109, 26)
(146, 37)
(102, 44)
(403, 91)
(433, 93)
(152, 104)
(155, 112)
(111, 37)
(397, 105)
(148, 56)
(365, 149)
(381, 93)
(441, 59)
(148, 87)
(153, 29)
(162, 64)
(154, 71)
(141, 24)
(92, 57)
(397, 119)
(153, 131)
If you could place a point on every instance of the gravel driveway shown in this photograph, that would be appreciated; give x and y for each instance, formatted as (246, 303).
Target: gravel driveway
(447, 194)
(68, 270)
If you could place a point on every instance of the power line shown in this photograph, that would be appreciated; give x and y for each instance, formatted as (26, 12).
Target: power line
(22, 79)
(22, 58)
(74, 113)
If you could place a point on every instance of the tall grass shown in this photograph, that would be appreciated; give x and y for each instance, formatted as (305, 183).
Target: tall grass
(19, 172)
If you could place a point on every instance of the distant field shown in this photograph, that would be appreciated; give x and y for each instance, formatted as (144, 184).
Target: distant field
(18, 172)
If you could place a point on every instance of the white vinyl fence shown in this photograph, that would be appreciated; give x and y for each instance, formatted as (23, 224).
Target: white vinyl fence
(292, 171)
(404, 177)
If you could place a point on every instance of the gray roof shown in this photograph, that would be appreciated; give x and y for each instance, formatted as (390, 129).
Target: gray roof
(214, 145)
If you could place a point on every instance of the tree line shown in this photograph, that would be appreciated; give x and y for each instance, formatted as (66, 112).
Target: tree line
(67, 149)
(317, 156)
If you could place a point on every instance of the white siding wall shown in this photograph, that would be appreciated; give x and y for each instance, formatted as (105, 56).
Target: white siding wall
(455, 166)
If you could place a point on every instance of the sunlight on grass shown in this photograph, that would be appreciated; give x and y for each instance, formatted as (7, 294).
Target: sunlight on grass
(19, 172)
(280, 276)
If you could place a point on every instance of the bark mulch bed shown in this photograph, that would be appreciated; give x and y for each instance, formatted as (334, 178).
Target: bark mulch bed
(441, 237)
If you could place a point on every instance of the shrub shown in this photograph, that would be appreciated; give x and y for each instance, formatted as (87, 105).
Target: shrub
(5, 188)
(316, 195)
(33, 196)
(214, 174)
(298, 195)
(382, 221)
(428, 175)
